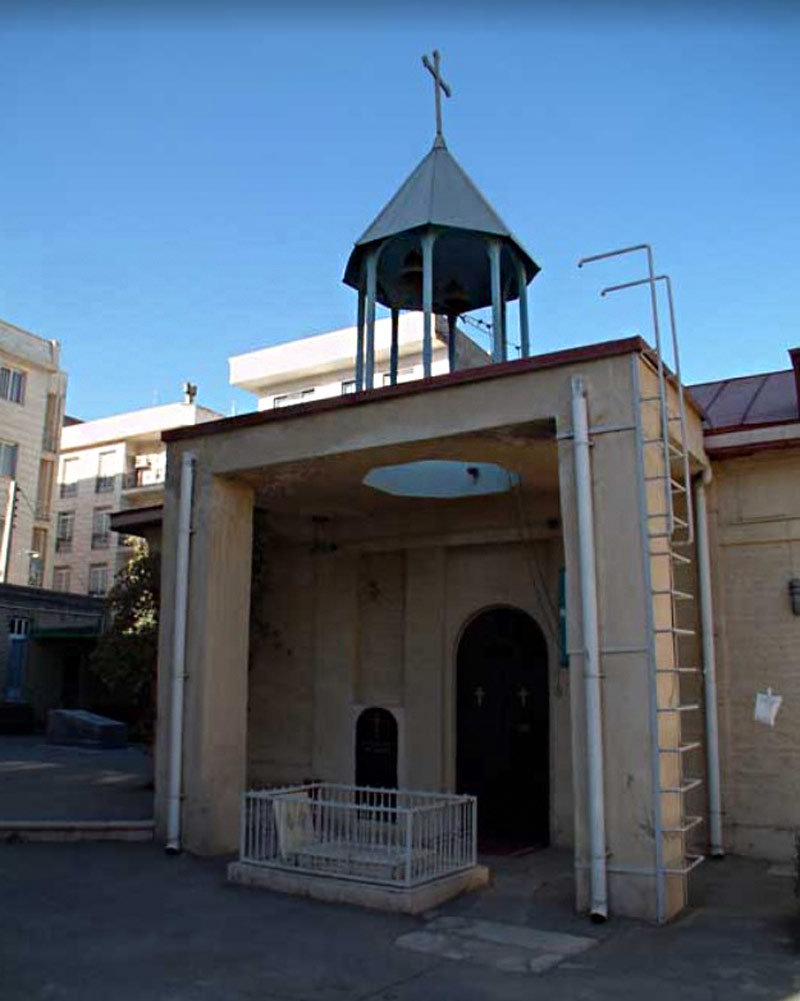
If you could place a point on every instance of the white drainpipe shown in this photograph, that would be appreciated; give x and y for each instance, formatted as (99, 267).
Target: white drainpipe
(709, 668)
(175, 774)
(591, 653)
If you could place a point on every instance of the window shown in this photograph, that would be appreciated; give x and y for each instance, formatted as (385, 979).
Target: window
(65, 526)
(12, 385)
(289, 399)
(36, 555)
(98, 579)
(101, 527)
(105, 473)
(61, 579)
(8, 459)
(348, 387)
(69, 477)
(18, 628)
(51, 432)
(44, 490)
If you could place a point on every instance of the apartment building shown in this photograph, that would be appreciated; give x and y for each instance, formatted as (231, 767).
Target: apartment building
(32, 391)
(110, 464)
(322, 366)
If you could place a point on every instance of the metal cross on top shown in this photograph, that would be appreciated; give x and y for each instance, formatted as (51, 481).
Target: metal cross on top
(438, 84)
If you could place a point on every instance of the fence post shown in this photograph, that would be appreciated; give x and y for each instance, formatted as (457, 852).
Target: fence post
(409, 838)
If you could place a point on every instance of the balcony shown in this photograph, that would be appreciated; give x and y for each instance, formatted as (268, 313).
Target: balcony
(143, 479)
(68, 489)
(64, 545)
(101, 540)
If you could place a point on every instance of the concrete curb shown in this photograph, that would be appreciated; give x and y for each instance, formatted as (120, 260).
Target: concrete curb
(414, 900)
(76, 830)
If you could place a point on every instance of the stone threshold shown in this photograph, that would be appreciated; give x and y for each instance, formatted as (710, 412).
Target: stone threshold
(503, 947)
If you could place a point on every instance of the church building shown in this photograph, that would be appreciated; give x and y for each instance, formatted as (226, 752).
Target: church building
(534, 581)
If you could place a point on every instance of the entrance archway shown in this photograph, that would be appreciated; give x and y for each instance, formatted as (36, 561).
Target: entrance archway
(502, 733)
(376, 749)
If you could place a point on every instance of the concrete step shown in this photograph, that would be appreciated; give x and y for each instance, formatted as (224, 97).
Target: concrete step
(76, 830)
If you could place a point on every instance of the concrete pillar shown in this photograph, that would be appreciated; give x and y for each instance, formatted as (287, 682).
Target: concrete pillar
(217, 643)
(626, 666)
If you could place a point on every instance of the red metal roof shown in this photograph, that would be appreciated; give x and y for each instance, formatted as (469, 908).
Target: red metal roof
(768, 398)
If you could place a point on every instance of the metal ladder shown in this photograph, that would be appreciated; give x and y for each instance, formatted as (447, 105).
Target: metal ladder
(670, 539)
(670, 543)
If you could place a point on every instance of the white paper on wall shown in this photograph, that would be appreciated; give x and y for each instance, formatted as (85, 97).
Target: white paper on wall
(767, 706)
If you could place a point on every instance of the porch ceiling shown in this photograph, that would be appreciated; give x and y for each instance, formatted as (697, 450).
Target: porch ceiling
(332, 486)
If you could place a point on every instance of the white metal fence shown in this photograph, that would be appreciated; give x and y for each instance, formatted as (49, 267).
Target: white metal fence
(388, 836)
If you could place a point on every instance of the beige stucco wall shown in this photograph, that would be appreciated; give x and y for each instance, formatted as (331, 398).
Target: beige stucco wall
(755, 516)
(335, 633)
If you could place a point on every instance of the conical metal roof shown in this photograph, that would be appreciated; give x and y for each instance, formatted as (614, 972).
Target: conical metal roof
(439, 193)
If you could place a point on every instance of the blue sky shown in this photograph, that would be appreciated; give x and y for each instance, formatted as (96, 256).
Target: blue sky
(182, 183)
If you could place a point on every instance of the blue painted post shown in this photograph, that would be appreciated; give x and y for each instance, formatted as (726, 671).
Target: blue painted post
(504, 315)
(428, 240)
(451, 341)
(524, 333)
(497, 306)
(360, 342)
(395, 347)
(372, 281)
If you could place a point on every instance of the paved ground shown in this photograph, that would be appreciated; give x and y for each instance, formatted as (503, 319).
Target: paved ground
(124, 922)
(40, 781)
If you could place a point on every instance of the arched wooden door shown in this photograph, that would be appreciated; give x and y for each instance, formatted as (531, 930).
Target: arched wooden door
(376, 749)
(503, 727)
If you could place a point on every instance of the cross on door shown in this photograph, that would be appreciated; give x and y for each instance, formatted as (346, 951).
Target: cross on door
(479, 696)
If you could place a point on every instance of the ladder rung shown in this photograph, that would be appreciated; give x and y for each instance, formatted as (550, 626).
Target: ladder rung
(675, 484)
(687, 786)
(678, 557)
(681, 748)
(689, 824)
(675, 629)
(676, 594)
(693, 861)
(688, 708)
(680, 522)
(677, 670)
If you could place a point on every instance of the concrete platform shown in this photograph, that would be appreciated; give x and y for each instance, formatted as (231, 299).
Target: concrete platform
(414, 900)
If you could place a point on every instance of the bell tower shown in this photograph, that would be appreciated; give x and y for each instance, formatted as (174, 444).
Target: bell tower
(437, 247)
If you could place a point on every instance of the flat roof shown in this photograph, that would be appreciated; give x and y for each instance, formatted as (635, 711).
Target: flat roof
(590, 352)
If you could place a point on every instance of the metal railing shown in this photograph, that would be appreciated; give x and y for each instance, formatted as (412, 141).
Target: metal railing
(136, 478)
(391, 837)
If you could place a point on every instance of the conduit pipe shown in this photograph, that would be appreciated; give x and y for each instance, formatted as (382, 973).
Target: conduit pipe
(709, 667)
(598, 908)
(175, 764)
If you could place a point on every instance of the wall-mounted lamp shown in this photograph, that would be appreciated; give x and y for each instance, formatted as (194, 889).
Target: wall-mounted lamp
(794, 594)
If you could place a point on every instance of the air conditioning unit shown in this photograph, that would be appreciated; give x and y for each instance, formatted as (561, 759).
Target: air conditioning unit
(142, 462)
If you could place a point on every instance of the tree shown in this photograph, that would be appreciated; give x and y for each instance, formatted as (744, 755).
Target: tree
(126, 654)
